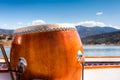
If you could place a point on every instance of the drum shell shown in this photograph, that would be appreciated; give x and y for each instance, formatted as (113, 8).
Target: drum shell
(50, 55)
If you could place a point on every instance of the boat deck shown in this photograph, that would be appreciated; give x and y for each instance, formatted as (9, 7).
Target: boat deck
(5, 76)
(103, 68)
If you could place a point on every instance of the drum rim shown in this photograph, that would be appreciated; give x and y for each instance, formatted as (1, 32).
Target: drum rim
(44, 28)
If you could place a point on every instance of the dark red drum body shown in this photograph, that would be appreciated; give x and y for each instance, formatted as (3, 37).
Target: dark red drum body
(51, 51)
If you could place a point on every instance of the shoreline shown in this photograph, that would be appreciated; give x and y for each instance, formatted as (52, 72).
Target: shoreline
(8, 43)
(101, 44)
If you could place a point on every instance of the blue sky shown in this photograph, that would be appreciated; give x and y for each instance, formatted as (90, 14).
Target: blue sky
(18, 13)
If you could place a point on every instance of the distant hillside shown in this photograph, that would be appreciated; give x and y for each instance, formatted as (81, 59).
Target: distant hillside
(106, 38)
(82, 30)
(88, 31)
(6, 31)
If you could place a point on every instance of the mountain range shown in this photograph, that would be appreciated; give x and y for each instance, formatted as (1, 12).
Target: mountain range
(6, 31)
(91, 35)
(105, 38)
(89, 31)
(82, 30)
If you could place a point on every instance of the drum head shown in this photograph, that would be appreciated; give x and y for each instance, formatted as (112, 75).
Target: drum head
(44, 28)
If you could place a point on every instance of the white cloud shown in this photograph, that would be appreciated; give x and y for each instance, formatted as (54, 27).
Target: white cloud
(5, 25)
(118, 27)
(99, 13)
(91, 23)
(20, 23)
(38, 22)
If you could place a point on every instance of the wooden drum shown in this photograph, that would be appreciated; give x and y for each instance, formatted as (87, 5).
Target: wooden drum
(51, 51)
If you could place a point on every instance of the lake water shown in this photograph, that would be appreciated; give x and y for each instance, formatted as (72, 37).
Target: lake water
(100, 50)
(97, 50)
(7, 49)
